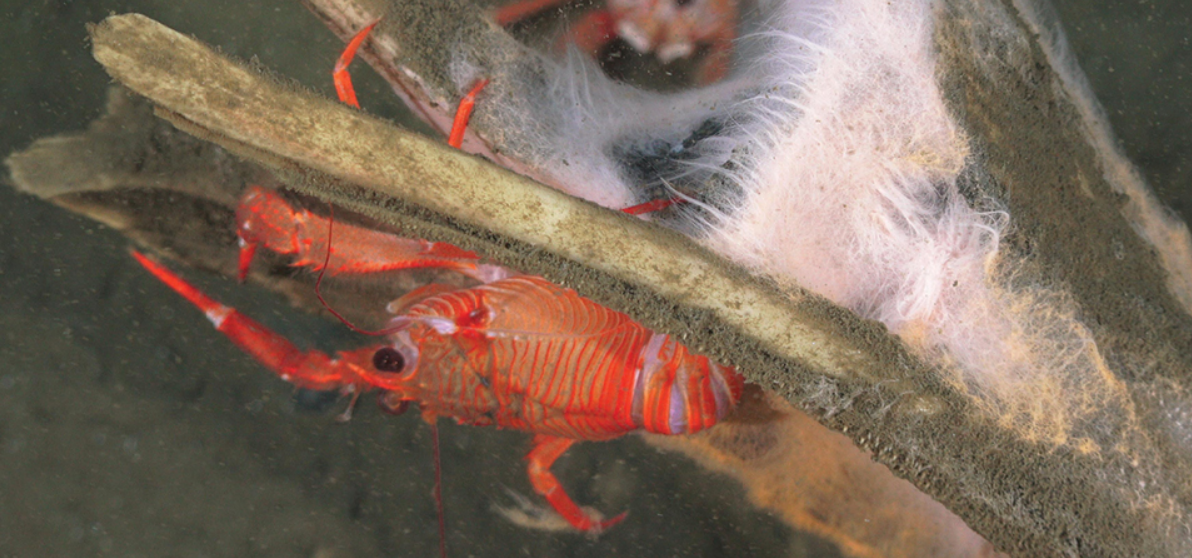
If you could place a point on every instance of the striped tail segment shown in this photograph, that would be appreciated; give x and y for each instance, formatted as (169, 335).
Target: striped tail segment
(678, 392)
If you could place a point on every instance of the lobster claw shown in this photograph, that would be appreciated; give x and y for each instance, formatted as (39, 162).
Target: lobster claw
(546, 450)
(265, 219)
(306, 369)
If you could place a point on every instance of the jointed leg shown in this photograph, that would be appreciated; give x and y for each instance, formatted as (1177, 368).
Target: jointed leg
(463, 113)
(343, 80)
(546, 450)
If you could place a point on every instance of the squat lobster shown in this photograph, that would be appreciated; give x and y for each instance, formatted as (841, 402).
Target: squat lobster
(670, 29)
(518, 353)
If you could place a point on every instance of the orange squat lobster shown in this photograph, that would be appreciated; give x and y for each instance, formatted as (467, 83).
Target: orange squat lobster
(671, 29)
(519, 353)
(516, 352)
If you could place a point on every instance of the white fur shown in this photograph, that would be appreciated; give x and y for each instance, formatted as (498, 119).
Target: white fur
(560, 130)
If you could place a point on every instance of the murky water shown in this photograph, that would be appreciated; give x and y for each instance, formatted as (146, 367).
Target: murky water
(129, 428)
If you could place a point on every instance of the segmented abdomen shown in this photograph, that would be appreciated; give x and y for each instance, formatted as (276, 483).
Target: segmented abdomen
(535, 356)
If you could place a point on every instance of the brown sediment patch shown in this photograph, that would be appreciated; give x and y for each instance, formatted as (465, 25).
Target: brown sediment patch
(819, 481)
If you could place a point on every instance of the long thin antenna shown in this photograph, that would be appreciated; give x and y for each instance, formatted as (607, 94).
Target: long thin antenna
(323, 271)
(343, 85)
(434, 435)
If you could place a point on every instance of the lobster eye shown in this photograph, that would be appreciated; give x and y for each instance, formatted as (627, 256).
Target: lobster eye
(388, 359)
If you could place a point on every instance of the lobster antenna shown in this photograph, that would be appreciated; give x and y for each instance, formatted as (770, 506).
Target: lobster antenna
(434, 436)
(343, 85)
(434, 429)
(323, 271)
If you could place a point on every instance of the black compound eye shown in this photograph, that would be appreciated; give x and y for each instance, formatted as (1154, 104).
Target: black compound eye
(388, 359)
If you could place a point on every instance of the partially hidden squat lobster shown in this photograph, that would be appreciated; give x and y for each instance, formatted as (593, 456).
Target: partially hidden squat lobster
(670, 29)
(514, 352)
